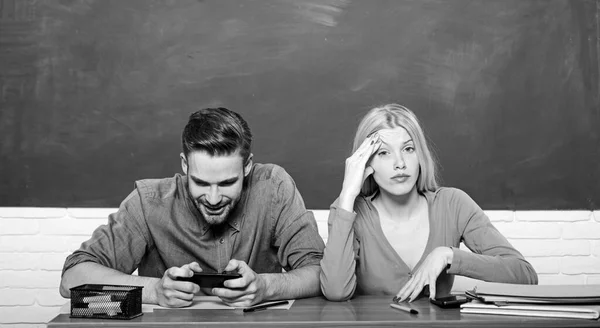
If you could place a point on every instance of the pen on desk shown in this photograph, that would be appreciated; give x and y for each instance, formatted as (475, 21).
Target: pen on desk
(264, 306)
(404, 308)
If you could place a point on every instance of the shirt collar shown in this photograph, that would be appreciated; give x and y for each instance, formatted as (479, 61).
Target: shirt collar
(236, 217)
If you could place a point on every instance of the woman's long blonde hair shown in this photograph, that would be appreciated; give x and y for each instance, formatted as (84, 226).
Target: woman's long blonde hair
(391, 116)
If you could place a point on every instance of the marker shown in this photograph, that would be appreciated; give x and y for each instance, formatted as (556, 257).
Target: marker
(404, 308)
(264, 306)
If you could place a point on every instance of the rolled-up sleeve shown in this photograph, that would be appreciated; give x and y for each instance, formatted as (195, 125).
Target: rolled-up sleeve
(296, 234)
(120, 244)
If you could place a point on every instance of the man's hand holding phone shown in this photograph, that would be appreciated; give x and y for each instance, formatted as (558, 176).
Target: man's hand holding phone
(171, 292)
(246, 291)
(211, 280)
(238, 286)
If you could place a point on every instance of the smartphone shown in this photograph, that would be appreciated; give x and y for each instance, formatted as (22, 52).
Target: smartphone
(450, 301)
(210, 280)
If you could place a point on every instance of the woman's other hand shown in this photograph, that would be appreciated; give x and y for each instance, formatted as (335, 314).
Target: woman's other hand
(426, 274)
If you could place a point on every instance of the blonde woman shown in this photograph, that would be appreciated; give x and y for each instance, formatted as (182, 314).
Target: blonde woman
(394, 231)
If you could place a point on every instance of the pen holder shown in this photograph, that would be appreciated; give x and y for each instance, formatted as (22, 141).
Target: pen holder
(106, 301)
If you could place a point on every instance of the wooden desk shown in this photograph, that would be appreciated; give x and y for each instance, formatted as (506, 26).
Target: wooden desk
(365, 311)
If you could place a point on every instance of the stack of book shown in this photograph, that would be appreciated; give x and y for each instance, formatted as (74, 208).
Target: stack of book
(553, 301)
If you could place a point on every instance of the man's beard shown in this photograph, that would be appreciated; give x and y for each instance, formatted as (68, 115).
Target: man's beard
(216, 215)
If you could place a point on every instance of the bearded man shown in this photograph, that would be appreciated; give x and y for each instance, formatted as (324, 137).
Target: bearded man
(225, 214)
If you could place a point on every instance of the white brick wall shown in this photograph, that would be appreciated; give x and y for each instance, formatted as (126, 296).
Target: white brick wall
(34, 243)
(563, 246)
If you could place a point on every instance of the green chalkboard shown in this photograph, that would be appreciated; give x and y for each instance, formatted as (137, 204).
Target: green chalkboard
(94, 93)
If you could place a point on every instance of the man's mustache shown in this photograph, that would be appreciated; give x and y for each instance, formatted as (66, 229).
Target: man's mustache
(212, 207)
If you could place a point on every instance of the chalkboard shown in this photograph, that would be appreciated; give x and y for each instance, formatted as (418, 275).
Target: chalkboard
(94, 93)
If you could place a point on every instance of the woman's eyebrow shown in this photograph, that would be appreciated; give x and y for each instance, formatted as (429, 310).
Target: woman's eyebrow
(404, 143)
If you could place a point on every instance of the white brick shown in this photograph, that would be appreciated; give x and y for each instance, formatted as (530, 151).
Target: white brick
(521, 230)
(596, 248)
(23, 325)
(51, 261)
(40, 243)
(32, 212)
(19, 261)
(27, 314)
(580, 265)
(500, 216)
(18, 227)
(555, 216)
(545, 279)
(90, 213)
(539, 247)
(593, 280)
(323, 231)
(17, 296)
(70, 226)
(321, 215)
(29, 279)
(581, 230)
(32, 261)
(545, 265)
(596, 215)
(50, 297)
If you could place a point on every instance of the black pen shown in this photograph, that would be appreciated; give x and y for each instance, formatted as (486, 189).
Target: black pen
(264, 306)
(404, 308)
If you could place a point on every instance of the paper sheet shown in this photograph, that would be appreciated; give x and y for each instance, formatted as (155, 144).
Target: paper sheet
(199, 303)
(214, 303)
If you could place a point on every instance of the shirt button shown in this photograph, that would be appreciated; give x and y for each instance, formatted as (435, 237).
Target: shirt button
(222, 240)
(235, 224)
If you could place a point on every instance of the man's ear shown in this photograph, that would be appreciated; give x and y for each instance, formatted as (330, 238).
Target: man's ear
(248, 165)
(184, 165)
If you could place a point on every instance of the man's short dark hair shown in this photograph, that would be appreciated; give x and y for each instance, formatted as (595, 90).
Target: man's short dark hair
(217, 131)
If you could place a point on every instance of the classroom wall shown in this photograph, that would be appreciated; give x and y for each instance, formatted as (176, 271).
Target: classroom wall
(563, 246)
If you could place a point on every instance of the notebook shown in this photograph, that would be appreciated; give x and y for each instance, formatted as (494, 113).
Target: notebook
(499, 293)
(551, 301)
(534, 310)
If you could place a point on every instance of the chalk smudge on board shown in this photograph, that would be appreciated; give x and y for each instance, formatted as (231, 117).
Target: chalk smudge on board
(322, 12)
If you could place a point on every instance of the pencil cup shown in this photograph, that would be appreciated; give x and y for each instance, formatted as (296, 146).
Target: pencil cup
(106, 301)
